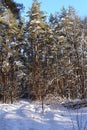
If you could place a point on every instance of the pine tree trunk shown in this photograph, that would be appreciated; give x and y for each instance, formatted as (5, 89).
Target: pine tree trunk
(4, 91)
(5, 69)
(38, 86)
(12, 79)
(12, 83)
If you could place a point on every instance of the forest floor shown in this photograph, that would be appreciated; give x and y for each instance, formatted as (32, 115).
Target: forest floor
(28, 115)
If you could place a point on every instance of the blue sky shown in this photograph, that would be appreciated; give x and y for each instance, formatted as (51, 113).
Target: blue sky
(52, 6)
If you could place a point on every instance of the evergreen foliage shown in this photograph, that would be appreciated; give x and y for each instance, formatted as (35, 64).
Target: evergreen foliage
(39, 57)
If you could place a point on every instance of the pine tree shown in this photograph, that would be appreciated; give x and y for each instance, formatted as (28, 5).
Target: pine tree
(11, 30)
(66, 43)
(37, 29)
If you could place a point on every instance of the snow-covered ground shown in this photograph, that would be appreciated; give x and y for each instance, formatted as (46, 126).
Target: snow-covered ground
(25, 115)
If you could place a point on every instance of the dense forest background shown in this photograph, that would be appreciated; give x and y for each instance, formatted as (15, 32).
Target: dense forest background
(39, 56)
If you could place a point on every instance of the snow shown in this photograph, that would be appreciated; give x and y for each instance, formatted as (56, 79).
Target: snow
(70, 23)
(9, 54)
(61, 37)
(18, 63)
(14, 43)
(63, 19)
(37, 21)
(5, 63)
(35, 14)
(27, 115)
(56, 25)
(34, 22)
(21, 74)
(36, 29)
(67, 16)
